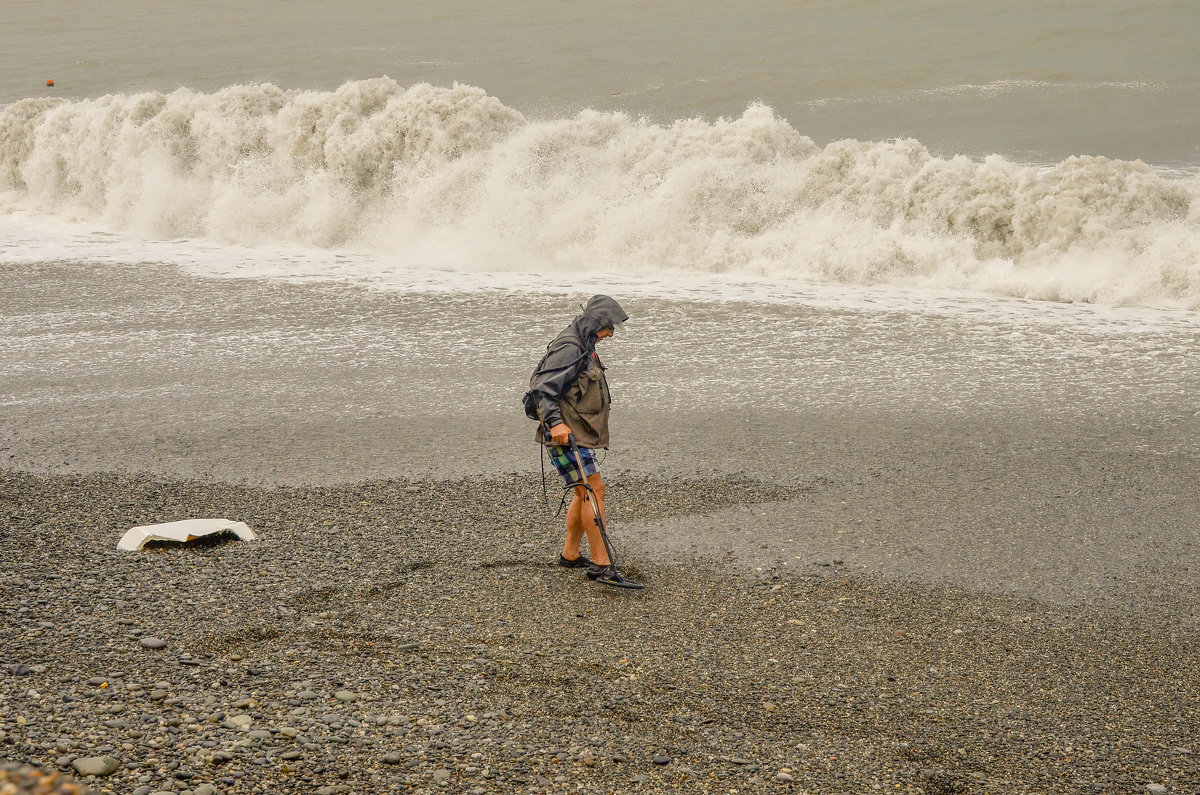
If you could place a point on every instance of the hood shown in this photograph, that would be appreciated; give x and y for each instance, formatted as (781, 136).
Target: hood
(601, 312)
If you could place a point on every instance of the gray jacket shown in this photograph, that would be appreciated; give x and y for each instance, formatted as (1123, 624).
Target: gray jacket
(569, 384)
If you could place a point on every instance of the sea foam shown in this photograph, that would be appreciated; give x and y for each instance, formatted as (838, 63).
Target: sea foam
(453, 178)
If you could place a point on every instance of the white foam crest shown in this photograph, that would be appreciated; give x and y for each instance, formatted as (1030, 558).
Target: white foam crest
(450, 178)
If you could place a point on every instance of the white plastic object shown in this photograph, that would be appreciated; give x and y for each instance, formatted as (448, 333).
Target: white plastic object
(187, 530)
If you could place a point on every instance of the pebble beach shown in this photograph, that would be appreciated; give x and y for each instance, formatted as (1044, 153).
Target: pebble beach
(402, 635)
(905, 441)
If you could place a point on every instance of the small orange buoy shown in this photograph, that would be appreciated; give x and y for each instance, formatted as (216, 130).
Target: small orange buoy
(49, 82)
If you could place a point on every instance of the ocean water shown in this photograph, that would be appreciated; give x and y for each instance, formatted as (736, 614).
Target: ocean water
(1021, 165)
(1040, 151)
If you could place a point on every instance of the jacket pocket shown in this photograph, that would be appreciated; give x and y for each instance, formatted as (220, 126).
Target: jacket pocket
(592, 398)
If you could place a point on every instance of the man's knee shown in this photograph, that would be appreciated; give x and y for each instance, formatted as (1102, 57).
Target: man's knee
(597, 483)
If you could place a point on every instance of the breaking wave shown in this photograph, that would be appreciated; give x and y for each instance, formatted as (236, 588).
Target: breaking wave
(453, 178)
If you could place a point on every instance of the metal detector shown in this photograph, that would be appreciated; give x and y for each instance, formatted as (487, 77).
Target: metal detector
(608, 575)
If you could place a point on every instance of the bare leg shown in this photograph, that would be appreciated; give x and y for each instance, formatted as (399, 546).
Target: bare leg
(574, 529)
(580, 521)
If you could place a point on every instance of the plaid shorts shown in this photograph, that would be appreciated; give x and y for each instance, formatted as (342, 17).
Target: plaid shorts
(563, 459)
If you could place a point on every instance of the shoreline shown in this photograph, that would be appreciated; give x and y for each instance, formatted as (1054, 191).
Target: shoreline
(365, 656)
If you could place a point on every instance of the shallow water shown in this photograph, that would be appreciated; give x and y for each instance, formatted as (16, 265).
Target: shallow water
(154, 348)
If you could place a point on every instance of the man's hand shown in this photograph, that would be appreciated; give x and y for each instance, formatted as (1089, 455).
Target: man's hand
(560, 434)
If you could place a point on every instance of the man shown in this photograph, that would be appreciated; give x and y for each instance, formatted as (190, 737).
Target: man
(569, 395)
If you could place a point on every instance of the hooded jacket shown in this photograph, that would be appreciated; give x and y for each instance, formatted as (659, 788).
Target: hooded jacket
(568, 384)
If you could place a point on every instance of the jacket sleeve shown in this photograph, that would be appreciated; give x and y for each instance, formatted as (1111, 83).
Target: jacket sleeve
(553, 376)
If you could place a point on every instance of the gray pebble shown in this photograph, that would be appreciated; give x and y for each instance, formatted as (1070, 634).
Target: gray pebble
(96, 765)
